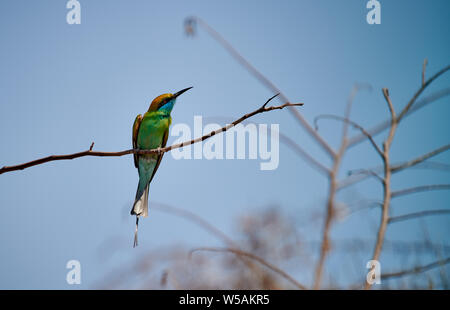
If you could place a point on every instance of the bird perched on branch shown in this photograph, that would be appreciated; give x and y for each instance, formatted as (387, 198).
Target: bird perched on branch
(150, 132)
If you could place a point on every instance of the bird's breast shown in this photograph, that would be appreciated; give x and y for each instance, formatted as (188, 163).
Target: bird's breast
(152, 131)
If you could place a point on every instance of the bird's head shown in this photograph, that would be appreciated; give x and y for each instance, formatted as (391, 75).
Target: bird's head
(165, 101)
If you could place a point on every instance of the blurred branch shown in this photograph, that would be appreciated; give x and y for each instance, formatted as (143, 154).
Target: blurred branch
(386, 182)
(424, 67)
(419, 159)
(385, 124)
(353, 124)
(168, 276)
(418, 189)
(434, 165)
(417, 94)
(256, 258)
(409, 108)
(333, 187)
(190, 29)
(415, 270)
(207, 226)
(438, 254)
(369, 173)
(90, 152)
(356, 176)
(409, 216)
(325, 245)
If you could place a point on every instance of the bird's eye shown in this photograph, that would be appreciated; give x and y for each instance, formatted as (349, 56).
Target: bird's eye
(163, 102)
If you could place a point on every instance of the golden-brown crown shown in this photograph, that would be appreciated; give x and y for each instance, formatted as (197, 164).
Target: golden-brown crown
(159, 101)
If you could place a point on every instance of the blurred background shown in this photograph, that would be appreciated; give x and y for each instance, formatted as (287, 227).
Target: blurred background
(64, 86)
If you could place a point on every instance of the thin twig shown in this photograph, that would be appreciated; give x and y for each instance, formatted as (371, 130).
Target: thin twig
(90, 152)
(409, 216)
(417, 94)
(415, 270)
(356, 177)
(353, 124)
(418, 189)
(438, 252)
(424, 67)
(369, 172)
(419, 159)
(256, 258)
(412, 106)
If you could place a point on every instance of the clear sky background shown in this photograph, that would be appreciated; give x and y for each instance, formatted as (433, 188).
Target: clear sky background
(63, 86)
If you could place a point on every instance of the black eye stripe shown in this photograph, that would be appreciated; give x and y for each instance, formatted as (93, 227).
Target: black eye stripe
(163, 102)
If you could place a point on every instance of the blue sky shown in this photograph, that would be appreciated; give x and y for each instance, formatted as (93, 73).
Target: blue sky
(63, 86)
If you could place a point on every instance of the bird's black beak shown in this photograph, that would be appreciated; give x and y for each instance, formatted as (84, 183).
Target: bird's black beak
(180, 92)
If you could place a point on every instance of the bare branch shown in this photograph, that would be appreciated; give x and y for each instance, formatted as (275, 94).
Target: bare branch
(433, 165)
(260, 77)
(417, 94)
(386, 183)
(356, 88)
(429, 99)
(418, 189)
(355, 177)
(256, 258)
(353, 124)
(301, 152)
(409, 216)
(205, 225)
(412, 106)
(424, 67)
(390, 106)
(333, 187)
(90, 152)
(368, 172)
(325, 244)
(419, 159)
(415, 270)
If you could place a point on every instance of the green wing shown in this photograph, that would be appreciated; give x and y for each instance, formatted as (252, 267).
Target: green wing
(136, 125)
(163, 144)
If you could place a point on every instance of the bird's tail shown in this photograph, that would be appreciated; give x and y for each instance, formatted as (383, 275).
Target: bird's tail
(140, 207)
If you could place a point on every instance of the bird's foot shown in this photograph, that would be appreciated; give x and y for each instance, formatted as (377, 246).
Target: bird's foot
(159, 151)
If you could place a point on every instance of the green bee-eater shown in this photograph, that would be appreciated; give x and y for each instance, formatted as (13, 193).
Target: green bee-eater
(150, 132)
